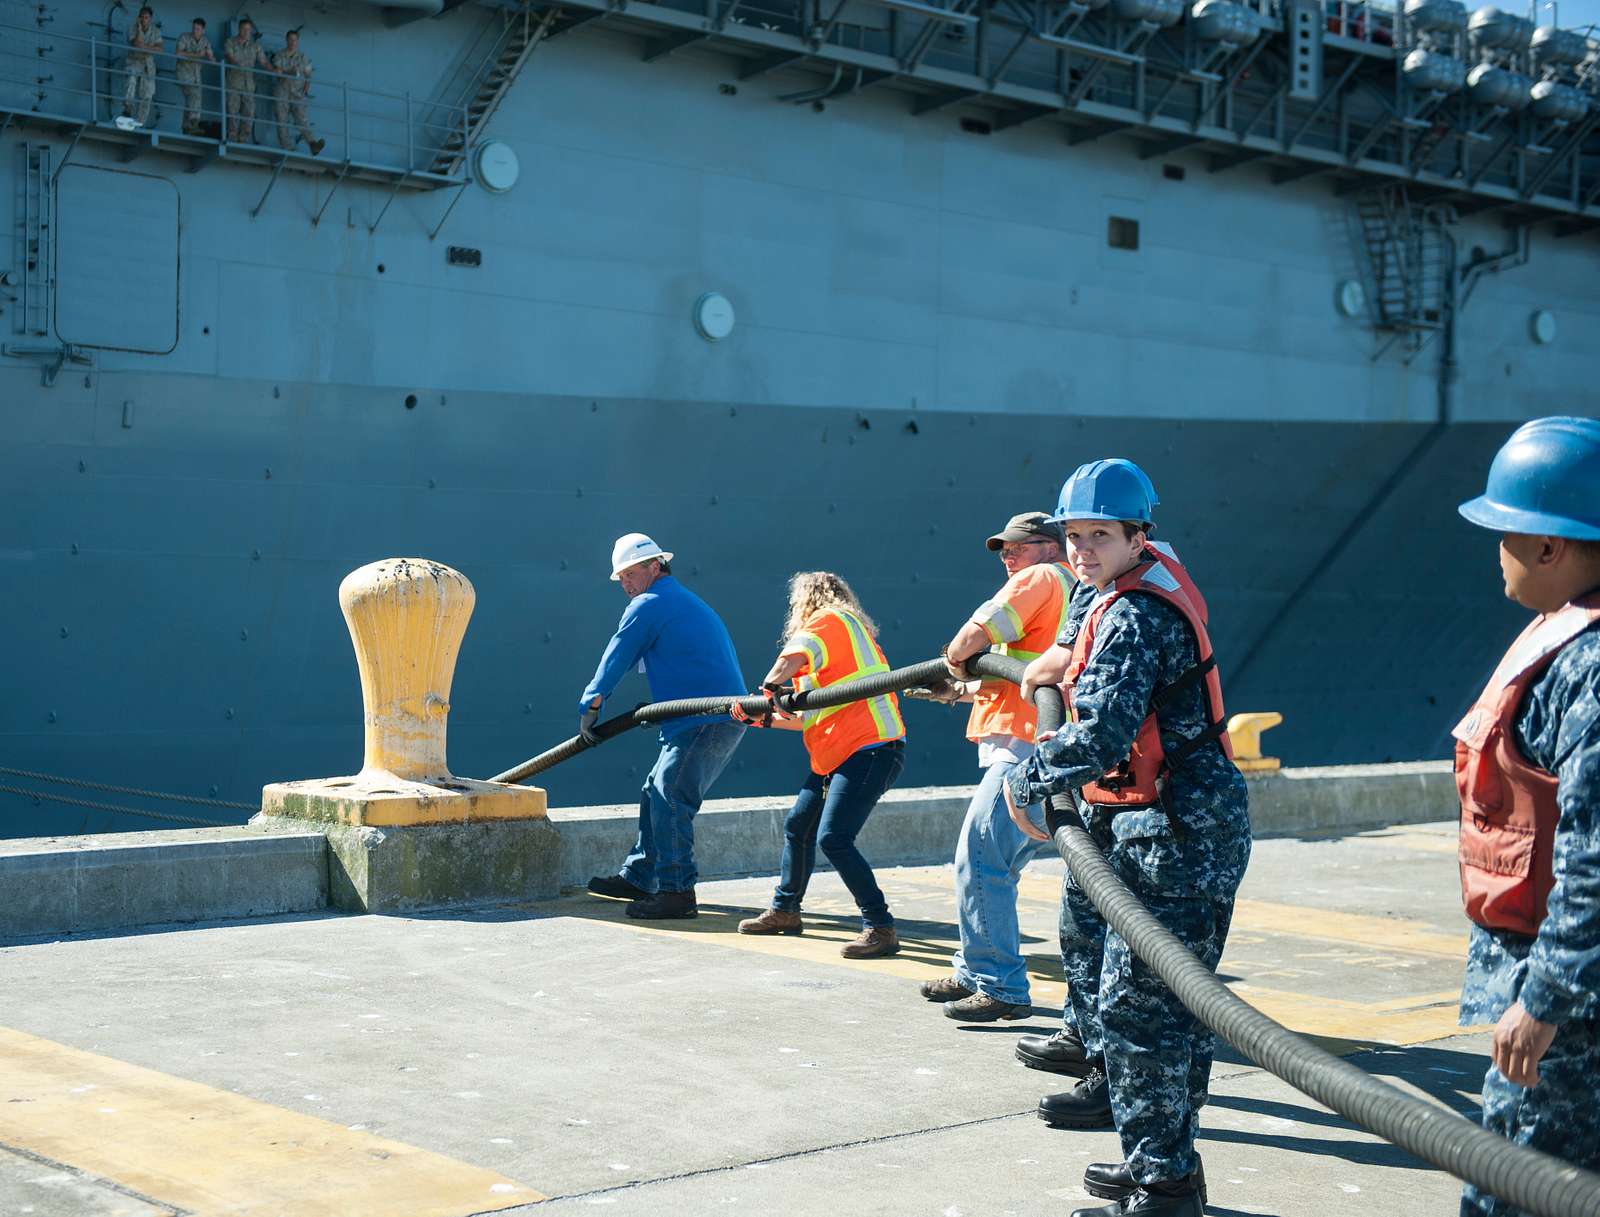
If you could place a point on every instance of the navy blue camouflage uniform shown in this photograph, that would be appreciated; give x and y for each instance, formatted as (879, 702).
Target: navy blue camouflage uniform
(1185, 866)
(1555, 975)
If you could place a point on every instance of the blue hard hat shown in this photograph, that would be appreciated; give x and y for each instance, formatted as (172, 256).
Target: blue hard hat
(1112, 489)
(1545, 481)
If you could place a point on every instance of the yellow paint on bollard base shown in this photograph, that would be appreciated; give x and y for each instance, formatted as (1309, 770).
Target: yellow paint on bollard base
(382, 800)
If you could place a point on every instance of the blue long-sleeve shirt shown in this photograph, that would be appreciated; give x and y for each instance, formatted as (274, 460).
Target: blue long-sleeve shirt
(684, 647)
(1557, 974)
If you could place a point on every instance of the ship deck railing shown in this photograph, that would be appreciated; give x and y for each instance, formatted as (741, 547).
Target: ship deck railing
(77, 85)
(1357, 119)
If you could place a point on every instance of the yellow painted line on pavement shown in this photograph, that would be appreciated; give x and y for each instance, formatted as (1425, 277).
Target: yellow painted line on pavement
(921, 957)
(1329, 925)
(1341, 1024)
(1386, 933)
(1352, 1021)
(1424, 842)
(212, 1153)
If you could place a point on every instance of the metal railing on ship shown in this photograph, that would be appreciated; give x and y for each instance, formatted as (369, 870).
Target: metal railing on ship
(82, 82)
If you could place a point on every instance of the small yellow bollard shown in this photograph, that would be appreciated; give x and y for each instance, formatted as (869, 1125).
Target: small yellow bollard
(1244, 731)
(407, 617)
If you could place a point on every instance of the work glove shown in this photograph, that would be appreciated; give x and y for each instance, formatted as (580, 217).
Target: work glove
(737, 713)
(764, 719)
(958, 669)
(586, 722)
(944, 690)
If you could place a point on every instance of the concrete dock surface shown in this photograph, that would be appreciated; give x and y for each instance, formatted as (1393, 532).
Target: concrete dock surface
(558, 1058)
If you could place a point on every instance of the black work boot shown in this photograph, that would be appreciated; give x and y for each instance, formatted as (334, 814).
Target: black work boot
(616, 887)
(1179, 1199)
(1114, 1180)
(1059, 1053)
(1086, 1105)
(665, 906)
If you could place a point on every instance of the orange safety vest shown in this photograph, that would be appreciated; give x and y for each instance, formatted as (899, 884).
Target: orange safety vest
(839, 648)
(997, 706)
(1140, 779)
(1508, 804)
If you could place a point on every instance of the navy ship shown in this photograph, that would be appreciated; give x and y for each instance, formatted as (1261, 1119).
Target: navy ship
(787, 284)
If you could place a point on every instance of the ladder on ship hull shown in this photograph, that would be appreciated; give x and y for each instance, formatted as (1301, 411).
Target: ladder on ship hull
(35, 242)
(519, 36)
(1410, 262)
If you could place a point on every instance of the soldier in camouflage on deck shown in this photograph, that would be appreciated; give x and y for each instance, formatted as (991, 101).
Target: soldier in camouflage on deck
(1528, 771)
(143, 37)
(1147, 753)
(294, 71)
(244, 53)
(193, 49)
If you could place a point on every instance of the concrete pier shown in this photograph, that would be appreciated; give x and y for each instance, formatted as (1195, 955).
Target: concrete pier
(475, 1061)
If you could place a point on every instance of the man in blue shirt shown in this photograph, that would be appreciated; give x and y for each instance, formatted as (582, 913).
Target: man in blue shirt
(685, 651)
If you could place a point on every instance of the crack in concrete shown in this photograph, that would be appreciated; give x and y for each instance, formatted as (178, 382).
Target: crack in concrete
(790, 1156)
(93, 1180)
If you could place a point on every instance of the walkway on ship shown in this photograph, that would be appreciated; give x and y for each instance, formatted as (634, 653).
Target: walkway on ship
(461, 1063)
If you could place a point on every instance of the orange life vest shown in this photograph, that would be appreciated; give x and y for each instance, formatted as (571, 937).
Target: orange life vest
(1508, 804)
(1140, 779)
(839, 648)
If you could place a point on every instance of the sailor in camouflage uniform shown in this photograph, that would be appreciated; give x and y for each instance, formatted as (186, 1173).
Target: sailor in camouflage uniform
(143, 37)
(193, 48)
(294, 71)
(244, 55)
(1147, 752)
(1528, 772)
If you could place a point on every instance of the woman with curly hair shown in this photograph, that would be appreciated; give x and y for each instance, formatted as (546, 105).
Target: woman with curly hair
(857, 751)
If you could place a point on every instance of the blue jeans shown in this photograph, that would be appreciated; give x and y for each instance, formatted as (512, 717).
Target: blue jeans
(990, 855)
(663, 857)
(829, 811)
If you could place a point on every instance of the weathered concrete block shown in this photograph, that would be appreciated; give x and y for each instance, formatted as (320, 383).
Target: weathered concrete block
(392, 870)
(918, 826)
(64, 885)
(1340, 797)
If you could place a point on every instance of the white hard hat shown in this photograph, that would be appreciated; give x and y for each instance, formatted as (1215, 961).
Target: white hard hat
(632, 549)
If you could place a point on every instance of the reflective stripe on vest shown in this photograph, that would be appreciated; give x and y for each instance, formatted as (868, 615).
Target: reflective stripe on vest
(1508, 804)
(1140, 779)
(997, 706)
(868, 660)
(1015, 649)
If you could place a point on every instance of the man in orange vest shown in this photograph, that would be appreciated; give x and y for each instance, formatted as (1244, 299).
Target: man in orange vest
(1023, 620)
(1528, 772)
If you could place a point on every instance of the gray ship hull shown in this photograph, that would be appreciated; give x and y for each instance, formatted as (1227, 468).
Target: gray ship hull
(931, 332)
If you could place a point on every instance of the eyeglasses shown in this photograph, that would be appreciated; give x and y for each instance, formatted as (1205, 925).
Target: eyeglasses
(1015, 551)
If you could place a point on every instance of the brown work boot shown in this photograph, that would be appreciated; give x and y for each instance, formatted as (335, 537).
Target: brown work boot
(983, 1008)
(874, 942)
(946, 988)
(772, 921)
(317, 145)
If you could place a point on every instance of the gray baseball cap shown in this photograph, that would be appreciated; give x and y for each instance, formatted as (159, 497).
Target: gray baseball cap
(1029, 526)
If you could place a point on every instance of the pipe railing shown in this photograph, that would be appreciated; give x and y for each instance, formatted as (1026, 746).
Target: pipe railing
(85, 79)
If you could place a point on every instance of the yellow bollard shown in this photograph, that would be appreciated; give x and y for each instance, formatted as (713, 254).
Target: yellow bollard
(407, 617)
(1244, 731)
